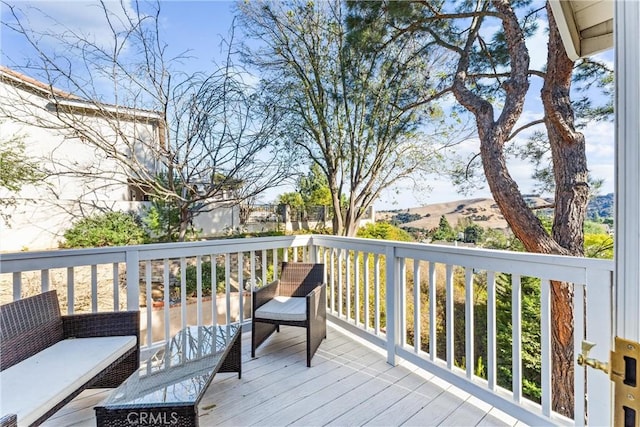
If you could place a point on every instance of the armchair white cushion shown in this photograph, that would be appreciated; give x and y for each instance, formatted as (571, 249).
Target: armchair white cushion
(284, 308)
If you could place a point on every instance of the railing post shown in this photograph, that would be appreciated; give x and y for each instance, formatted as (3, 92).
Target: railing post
(313, 252)
(240, 256)
(392, 298)
(133, 280)
(17, 285)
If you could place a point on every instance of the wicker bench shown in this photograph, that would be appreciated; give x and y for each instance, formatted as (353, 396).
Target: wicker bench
(47, 359)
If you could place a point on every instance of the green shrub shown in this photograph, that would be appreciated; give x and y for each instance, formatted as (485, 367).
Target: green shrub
(591, 227)
(192, 277)
(162, 222)
(384, 231)
(444, 232)
(105, 229)
(162, 219)
(473, 233)
(598, 246)
(531, 335)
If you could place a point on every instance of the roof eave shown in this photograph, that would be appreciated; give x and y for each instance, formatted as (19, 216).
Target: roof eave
(96, 108)
(595, 36)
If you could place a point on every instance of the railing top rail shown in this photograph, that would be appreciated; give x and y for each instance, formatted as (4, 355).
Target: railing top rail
(214, 247)
(37, 260)
(473, 257)
(353, 243)
(30, 261)
(431, 250)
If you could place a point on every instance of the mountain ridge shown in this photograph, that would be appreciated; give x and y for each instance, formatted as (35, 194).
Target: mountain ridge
(482, 211)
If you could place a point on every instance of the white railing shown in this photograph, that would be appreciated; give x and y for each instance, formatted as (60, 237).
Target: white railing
(94, 279)
(372, 292)
(453, 276)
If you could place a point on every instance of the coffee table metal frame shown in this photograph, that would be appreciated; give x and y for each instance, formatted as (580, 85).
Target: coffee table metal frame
(148, 398)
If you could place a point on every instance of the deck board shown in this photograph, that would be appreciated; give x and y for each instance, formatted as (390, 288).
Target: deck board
(349, 383)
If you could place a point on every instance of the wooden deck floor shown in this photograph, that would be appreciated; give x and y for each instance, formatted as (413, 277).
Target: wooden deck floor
(349, 384)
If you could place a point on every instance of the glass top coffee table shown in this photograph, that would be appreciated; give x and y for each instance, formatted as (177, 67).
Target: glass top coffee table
(167, 388)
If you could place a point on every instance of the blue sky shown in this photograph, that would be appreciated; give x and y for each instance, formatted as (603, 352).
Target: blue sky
(199, 27)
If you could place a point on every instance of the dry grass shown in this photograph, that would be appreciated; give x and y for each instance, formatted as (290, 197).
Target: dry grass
(32, 285)
(484, 212)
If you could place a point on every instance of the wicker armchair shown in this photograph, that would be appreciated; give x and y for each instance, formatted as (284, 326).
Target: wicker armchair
(298, 298)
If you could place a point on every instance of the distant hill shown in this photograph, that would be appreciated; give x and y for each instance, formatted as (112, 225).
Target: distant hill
(483, 212)
(601, 207)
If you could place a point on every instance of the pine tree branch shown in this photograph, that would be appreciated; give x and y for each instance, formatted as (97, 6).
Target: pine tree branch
(520, 129)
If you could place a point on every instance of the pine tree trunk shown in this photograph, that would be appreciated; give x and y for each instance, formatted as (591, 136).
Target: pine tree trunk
(571, 198)
(562, 370)
(568, 152)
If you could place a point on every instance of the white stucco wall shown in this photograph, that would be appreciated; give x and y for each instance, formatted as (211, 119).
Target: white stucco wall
(40, 224)
(218, 221)
(81, 179)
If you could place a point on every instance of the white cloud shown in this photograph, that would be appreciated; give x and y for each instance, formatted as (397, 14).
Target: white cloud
(604, 172)
(599, 139)
(599, 142)
(600, 158)
(600, 147)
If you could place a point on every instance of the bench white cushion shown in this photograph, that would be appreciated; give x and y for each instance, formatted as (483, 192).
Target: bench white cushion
(284, 308)
(34, 386)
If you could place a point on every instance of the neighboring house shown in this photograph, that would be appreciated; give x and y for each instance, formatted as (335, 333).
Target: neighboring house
(217, 215)
(80, 178)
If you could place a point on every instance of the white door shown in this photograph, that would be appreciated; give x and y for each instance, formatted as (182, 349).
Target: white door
(626, 303)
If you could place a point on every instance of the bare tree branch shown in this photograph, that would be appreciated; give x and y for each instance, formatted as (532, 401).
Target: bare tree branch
(204, 132)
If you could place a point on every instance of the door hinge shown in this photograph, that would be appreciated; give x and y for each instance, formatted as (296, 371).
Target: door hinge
(623, 371)
(624, 374)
